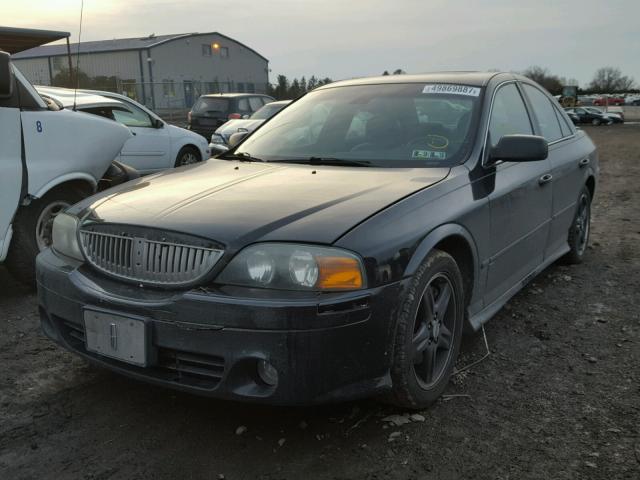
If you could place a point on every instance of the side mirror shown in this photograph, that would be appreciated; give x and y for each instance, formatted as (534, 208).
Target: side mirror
(6, 77)
(236, 138)
(520, 148)
(157, 123)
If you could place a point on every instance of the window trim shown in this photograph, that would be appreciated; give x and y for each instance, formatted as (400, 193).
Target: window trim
(533, 113)
(486, 132)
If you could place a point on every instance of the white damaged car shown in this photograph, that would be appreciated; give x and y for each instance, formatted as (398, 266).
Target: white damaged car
(155, 145)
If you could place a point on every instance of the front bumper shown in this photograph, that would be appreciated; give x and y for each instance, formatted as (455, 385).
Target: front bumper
(325, 347)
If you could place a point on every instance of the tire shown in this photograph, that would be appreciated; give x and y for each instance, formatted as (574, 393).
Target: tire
(414, 384)
(187, 156)
(580, 229)
(32, 232)
(595, 122)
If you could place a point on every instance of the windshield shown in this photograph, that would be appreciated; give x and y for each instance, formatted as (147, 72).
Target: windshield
(267, 111)
(211, 105)
(390, 125)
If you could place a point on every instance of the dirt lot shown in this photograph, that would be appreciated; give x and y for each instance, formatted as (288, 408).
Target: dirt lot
(559, 396)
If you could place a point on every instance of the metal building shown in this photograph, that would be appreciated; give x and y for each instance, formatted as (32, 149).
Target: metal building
(163, 72)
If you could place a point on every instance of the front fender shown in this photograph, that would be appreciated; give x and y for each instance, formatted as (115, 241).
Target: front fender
(434, 237)
(68, 177)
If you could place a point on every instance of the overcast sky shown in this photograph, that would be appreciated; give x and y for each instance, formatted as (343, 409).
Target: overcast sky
(352, 38)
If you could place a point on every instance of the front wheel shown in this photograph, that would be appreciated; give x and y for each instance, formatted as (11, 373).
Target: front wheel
(32, 232)
(580, 229)
(187, 156)
(428, 332)
(595, 122)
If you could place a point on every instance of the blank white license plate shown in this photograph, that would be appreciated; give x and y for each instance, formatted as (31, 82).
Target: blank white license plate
(116, 336)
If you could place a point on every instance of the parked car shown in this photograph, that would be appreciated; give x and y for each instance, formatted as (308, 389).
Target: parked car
(49, 159)
(213, 110)
(155, 144)
(608, 100)
(586, 116)
(611, 117)
(632, 100)
(337, 252)
(575, 119)
(222, 134)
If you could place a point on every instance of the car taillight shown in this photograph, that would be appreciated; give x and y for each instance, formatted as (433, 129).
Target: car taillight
(234, 116)
(189, 117)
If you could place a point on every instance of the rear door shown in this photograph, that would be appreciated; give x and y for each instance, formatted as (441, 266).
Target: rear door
(150, 148)
(520, 204)
(10, 169)
(568, 157)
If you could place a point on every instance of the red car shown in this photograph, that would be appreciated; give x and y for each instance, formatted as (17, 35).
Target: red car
(602, 101)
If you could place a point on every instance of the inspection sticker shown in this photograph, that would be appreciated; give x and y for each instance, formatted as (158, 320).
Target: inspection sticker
(429, 155)
(452, 89)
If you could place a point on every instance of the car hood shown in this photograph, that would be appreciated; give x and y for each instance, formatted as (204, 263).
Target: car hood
(237, 203)
(232, 126)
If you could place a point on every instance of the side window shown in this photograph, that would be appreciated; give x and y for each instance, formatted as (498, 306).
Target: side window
(255, 103)
(243, 105)
(509, 115)
(544, 113)
(564, 126)
(131, 116)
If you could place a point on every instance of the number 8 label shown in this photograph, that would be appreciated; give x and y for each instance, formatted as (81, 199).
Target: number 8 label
(39, 126)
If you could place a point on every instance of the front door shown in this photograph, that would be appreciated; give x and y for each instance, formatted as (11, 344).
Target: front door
(520, 204)
(10, 171)
(150, 147)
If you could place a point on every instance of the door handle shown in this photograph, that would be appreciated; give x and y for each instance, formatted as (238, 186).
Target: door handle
(584, 162)
(546, 178)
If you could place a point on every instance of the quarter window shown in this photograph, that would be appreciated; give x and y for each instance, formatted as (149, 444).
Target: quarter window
(549, 126)
(509, 115)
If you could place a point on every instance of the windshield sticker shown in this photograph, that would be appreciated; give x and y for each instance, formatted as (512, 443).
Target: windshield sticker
(452, 89)
(429, 155)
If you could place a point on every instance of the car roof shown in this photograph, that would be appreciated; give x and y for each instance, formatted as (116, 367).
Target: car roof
(68, 97)
(234, 95)
(474, 79)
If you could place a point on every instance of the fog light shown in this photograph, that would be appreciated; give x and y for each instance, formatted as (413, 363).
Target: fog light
(267, 373)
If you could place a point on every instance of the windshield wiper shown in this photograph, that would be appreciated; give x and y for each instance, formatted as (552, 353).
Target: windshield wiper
(243, 156)
(325, 161)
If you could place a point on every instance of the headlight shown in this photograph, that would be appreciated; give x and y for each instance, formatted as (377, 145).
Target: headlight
(65, 237)
(295, 267)
(216, 138)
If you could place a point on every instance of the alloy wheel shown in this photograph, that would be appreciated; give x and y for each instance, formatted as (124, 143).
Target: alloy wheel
(581, 224)
(432, 341)
(188, 158)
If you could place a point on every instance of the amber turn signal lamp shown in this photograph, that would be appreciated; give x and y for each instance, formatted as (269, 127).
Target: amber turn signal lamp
(339, 273)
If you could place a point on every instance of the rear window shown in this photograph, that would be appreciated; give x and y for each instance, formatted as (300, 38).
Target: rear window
(211, 105)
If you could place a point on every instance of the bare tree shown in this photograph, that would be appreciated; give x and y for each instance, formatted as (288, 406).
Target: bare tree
(545, 78)
(609, 80)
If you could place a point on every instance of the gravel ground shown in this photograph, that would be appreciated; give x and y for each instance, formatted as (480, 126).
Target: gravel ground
(558, 397)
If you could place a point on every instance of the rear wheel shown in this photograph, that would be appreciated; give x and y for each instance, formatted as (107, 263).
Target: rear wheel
(187, 156)
(580, 228)
(32, 232)
(428, 332)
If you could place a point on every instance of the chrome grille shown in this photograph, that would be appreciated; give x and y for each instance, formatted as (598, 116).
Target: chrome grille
(147, 261)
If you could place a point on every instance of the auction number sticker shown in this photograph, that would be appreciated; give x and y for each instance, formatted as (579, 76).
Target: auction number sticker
(428, 155)
(449, 89)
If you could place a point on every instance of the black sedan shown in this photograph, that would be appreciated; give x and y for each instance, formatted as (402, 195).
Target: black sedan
(337, 252)
(588, 115)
